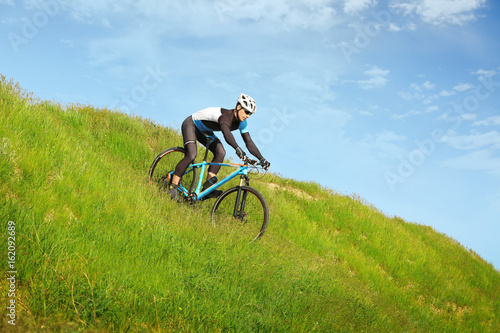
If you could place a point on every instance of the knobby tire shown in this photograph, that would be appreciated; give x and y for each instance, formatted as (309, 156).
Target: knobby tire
(253, 219)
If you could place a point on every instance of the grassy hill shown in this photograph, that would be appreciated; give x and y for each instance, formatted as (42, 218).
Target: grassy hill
(97, 250)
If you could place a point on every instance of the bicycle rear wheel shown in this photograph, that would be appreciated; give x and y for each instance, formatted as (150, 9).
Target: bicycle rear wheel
(242, 207)
(163, 167)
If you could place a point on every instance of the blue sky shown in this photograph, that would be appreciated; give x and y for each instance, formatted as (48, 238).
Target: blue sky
(396, 102)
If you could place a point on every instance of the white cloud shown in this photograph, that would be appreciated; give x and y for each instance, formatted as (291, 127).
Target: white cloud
(377, 78)
(432, 108)
(423, 91)
(441, 11)
(446, 93)
(402, 26)
(492, 121)
(484, 150)
(482, 73)
(315, 14)
(463, 87)
(417, 92)
(203, 16)
(10, 21)
(468, 116)
(401, 116)
(473, 141)
(355, 6)
(428, 85)
(385, 144)
(67, 42)
(415, 87)
(405, 8)
(479, 160)
(394, 27)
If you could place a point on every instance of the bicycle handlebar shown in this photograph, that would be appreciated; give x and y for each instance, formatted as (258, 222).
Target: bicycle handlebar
(251, 162)
(255, 164)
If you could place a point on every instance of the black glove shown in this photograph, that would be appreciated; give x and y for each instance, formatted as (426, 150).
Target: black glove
(241, 154)
(265, 163)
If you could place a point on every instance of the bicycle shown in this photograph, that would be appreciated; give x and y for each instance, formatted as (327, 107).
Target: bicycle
(242, 204)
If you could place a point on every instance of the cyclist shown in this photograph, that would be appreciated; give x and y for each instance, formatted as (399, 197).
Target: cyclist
(202, 124)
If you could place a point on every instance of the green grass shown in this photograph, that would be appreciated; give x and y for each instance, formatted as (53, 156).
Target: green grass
(97, 250)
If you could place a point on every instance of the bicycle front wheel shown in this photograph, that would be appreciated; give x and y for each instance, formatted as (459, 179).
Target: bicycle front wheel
(244, 208)
(163, 167)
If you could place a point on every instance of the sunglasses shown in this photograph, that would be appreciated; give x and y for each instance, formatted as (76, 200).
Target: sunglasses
(248, 112)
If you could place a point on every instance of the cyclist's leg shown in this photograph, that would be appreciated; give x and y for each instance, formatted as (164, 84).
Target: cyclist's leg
(218, 150)
(219, 153)
(215, 147)
(189, 136)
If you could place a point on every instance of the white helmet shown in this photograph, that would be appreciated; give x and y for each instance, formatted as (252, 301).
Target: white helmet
(248, 103)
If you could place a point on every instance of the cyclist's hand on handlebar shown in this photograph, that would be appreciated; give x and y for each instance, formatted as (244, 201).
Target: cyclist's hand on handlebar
(265, 163)
(241, 154)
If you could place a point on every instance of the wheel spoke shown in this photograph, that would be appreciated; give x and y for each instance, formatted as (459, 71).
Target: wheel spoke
(248, 216)
(164, 166)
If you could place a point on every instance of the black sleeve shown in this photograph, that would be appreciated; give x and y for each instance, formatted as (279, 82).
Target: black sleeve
(252, 148)
(228, 136)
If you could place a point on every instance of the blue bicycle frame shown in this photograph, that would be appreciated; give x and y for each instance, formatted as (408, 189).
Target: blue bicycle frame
(242, 170)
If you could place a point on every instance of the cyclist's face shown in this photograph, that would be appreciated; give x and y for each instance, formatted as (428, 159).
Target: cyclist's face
(242, 114)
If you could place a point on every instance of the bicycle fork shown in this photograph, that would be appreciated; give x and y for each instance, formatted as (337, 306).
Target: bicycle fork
(239, 205)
